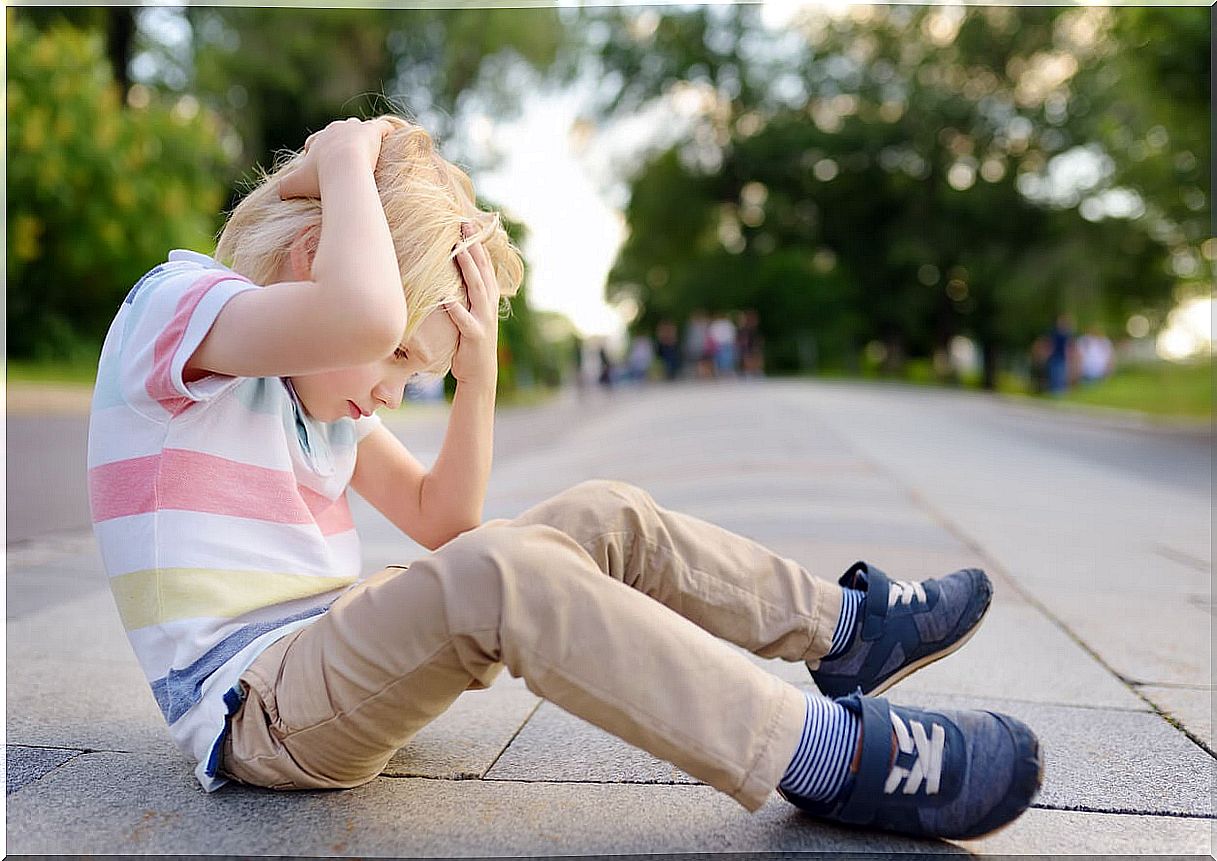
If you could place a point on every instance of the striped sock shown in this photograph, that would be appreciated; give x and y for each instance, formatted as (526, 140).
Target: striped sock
(820, 766)
(851, 603)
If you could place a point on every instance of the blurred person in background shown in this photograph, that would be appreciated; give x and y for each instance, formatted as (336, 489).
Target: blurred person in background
(606, 367)
(697, 338)
(1062, 356)
(1038, 353)
(751, 345)
(1096, 356)
(722, 346)
(641, 355)
(668, 349)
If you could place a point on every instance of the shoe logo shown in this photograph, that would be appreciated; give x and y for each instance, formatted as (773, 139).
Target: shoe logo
(904, 591)
(928, 764)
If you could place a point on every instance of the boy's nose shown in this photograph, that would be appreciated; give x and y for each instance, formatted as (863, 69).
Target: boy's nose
(388, 397)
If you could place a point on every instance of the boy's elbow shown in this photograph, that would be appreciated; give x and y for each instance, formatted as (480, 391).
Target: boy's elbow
(438, 538)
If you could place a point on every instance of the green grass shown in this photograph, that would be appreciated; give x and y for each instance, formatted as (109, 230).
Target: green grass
(82, 370)
(1168, 389)
(1162, 388)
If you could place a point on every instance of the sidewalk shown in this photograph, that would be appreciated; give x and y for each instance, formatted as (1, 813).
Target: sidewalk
(1103, 653)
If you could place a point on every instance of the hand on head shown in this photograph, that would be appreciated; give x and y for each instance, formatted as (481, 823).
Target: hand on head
(476, 359)
(349, 138)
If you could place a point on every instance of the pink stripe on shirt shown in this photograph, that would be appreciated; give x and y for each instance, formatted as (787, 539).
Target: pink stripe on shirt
(332, 516)
(194, 481)
(160, 380)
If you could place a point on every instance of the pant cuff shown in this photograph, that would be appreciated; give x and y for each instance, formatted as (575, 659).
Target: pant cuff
(824, 623)
(782, 738)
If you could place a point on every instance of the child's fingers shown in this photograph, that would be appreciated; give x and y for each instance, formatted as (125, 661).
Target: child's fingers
(481, 257)
(464, 320)
(475, 285)
(299, 183)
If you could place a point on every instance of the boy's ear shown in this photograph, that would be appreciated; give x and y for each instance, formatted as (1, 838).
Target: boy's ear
(302, 252)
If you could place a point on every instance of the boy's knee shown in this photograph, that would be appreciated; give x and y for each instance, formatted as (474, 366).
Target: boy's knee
(605, 496)
(479, 559)
(481, 569)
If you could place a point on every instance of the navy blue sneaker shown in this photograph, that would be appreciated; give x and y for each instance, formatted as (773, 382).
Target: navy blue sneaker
(902, 627)
(954, 774)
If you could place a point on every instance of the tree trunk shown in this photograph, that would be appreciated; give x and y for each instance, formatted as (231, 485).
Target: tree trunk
(120, 41)
(989, 354)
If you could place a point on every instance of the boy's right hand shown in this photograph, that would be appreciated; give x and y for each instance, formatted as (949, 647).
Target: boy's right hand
(341, 139)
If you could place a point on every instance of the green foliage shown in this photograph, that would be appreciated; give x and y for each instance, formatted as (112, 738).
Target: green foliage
(97, 191)
(890, 201)
(277, 74)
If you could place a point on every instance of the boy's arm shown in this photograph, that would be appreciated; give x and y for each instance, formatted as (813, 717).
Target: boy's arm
(391, 480)
(353, 310)
(432, 507)
(454, 490)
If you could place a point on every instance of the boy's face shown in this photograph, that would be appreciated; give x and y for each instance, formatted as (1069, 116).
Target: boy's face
(363, 389)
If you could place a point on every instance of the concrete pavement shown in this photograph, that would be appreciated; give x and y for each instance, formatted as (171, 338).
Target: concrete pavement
(1097, 537)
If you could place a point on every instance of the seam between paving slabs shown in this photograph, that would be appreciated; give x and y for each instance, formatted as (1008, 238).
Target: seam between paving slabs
(514, 735)
(497, 757)
(1123, 811)
(914, 693)
(53, 768)
(1065, 808)
(1131, 685)
(975, 546)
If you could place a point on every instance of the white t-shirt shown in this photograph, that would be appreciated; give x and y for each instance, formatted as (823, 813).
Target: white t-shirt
(219, 506)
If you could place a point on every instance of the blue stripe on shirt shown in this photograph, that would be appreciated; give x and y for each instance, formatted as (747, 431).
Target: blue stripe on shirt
(178, 691)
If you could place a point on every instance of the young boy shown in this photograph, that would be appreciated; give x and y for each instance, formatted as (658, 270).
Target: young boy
(229, 418)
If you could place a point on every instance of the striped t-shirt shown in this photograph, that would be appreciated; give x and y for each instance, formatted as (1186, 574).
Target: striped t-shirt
(219, 505)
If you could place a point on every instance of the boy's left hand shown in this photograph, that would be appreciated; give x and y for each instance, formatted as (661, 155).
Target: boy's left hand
(476, 359)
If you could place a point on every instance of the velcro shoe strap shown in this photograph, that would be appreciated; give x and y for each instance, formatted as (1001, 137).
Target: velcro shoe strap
(876, 760)
(874, 608)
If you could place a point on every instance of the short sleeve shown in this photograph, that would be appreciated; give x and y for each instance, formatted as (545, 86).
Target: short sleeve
(365, 425)
(171, 313)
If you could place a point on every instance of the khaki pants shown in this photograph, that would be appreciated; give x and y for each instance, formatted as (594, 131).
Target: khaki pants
(604, 603)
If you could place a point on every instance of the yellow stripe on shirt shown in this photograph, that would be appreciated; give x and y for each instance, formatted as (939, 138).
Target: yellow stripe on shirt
(158, 595)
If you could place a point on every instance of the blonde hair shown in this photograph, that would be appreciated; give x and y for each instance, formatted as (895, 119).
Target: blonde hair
(426, 201)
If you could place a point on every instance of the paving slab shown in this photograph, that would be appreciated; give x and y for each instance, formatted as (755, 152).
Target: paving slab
(466, 740)
(1019, 654)
(1154, 637)
(97, 634)
(1016, 654)
(23, 765)
(1192, 707)
(91, 706)
(1095, 759)
(1054, 833)
(43, 575)
(555, 745)
(1108, 760)
(157, 809)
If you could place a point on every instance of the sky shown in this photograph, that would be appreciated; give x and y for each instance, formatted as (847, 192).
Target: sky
(573, 232)
(564, 177)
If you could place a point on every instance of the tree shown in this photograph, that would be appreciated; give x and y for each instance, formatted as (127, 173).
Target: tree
(98, 190)
(278, 74)
(899, 147)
